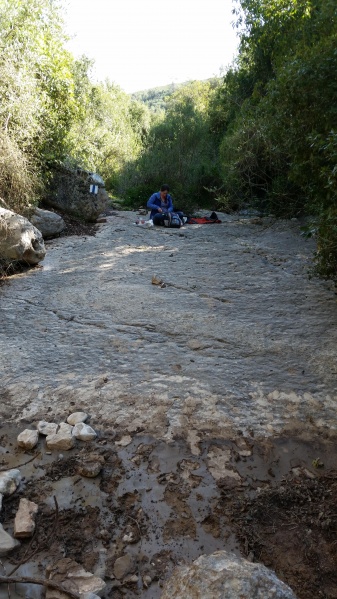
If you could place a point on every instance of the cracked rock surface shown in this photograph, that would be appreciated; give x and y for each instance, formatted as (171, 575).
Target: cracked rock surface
(239, 339)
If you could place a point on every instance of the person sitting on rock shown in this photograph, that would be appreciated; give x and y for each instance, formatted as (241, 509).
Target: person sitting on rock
(161, 204)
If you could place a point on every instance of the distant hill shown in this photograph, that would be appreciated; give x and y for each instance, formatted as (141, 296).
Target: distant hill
(155, 97)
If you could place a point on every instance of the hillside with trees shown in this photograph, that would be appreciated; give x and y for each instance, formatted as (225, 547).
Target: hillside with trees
(263, 135)
(156, 97)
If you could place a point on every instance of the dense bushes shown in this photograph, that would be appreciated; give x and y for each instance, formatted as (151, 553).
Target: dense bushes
(50, 112)
(180, 149)
(280, 140)
(36, 103)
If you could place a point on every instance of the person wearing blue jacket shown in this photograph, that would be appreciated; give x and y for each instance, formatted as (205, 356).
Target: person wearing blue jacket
(160, 204)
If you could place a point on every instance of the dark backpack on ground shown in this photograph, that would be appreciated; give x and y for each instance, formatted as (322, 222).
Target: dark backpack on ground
(172, 220)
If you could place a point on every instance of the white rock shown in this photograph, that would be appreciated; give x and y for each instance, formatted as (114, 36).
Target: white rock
(9, 481)
(73, 577)
(24, 523)
(77, 417)
(221, 575)
(126, 440)
(84, 432)
(49, 223)
(28, 439)
(19, 239)
(7, 543)
(147, 581)
(47, 428)
(62, 440)
(65, 428)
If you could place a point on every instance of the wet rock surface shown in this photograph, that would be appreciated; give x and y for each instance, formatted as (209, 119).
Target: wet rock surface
(213, 400)
(239, 338)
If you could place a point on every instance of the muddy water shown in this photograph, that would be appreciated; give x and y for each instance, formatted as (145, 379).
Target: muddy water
(169, 499)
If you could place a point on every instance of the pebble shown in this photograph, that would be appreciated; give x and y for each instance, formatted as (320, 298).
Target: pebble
(156, 280)
(122, 566)
(9, 481)
(7, 543)
(133, 578)
(91, 465)
(124, 441)
(24, 523)
(147, 581)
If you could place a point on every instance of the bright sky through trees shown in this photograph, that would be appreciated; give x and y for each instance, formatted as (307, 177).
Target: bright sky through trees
(139, 44)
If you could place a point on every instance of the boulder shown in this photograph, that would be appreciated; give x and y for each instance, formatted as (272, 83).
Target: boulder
(78, 192)
(19, 239)
(49, 223)
(223, 575)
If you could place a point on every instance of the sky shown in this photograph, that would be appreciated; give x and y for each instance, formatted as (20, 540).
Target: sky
(140, 44)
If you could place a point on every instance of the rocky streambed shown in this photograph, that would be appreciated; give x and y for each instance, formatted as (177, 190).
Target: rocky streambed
(213, 394)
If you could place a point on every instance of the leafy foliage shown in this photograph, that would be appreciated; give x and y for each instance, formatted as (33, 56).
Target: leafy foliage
(279, 114)
(36, 101)
(156, 97)
(50, 112)
(108, 132)
(180, 149)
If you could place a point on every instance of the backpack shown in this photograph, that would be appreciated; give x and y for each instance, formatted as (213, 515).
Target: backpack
(172, 220)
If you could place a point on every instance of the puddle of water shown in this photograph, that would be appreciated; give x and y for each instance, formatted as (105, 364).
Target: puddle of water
(163, 490)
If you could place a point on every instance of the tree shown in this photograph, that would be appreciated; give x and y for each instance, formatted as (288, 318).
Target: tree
(279, 144)
(36, 93)
(179, 148)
